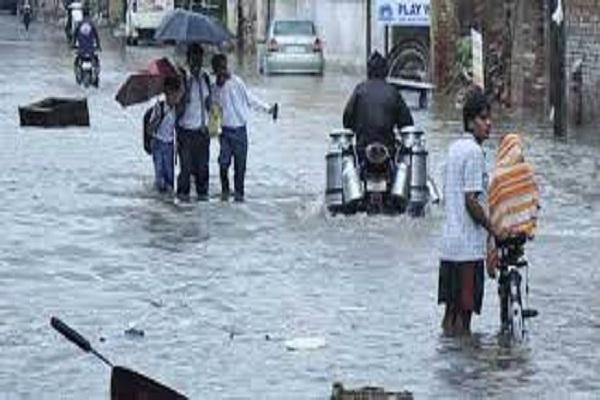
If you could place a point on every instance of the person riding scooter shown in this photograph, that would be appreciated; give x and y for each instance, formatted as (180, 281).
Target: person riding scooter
(87, 41)
(375, 108)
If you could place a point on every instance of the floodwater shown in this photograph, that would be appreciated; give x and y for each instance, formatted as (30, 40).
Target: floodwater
(218, 288)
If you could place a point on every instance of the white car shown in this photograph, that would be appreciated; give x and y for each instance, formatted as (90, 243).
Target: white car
(143, 17)
(292, 47)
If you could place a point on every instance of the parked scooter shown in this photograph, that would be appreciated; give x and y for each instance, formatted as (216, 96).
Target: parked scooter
(384, 183)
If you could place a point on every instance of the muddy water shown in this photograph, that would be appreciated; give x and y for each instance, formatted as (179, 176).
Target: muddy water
(218, 288)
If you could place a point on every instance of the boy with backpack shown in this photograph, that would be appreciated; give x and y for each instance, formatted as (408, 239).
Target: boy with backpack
(161, 129)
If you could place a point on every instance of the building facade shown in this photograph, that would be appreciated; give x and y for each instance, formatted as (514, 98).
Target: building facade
(583, 57)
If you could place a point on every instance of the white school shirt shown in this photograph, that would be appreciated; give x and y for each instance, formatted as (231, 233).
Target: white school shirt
(196, 115)
(465, 171)
(236, 100)
(166, 127)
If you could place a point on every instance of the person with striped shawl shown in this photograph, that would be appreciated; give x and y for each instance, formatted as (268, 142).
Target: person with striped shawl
(513, 196)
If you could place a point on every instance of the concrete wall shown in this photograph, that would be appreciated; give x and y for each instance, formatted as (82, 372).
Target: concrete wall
(231, 19)
(583, 43)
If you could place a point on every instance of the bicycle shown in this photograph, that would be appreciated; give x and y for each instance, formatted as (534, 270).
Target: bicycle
(511, 261)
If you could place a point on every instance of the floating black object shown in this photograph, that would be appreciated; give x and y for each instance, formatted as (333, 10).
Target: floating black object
(55, 112)
(367, 393)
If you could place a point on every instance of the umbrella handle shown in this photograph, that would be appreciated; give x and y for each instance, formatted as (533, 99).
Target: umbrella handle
(76, 338)
(175, 199)
(71, 334)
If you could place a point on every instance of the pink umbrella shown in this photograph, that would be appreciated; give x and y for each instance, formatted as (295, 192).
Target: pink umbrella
(147, 83)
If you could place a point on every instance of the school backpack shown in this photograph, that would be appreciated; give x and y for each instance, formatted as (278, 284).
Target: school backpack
(150, 126)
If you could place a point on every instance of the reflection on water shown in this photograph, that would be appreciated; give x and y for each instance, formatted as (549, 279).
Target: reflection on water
(218, 287)
(485, 364)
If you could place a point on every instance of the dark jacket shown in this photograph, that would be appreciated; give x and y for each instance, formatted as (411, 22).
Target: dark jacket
(373, 110)
(86, 37)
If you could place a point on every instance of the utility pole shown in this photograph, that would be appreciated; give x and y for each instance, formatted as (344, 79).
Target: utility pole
(240, 27)
(268, 16)
(558, 82)
(368, 28)
(386, 40)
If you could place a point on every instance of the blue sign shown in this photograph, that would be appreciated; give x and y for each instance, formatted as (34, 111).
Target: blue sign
(403, 12)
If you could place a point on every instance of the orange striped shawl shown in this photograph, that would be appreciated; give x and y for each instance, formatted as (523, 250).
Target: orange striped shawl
(514, 199)
(513, 194)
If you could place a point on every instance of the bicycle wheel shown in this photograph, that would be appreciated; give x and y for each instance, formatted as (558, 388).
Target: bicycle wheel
(515, 308)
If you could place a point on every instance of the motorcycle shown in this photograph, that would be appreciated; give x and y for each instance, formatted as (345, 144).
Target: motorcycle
(381, 180)
(87, 70)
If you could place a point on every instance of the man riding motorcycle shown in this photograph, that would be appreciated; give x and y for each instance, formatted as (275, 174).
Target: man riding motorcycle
(375, 108)
(87, 41)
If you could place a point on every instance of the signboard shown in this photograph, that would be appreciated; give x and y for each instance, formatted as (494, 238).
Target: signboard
(477, 42)
(403, 12)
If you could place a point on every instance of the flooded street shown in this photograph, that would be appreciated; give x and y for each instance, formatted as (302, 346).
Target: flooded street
(218, 288)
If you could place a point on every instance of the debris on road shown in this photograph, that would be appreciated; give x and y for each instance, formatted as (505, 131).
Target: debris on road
(306, 343)
(367, 393)
(54, 112)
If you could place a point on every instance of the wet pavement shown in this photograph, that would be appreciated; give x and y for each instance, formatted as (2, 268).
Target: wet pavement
(218, 288)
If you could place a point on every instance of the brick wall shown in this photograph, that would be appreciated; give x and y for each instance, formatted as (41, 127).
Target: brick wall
(529, 55)
(583, 43)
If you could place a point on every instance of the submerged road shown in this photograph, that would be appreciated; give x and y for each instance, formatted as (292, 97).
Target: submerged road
(217, 288)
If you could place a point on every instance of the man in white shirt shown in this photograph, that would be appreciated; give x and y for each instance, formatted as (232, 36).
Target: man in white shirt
(193, 140)
(231, 94)
(464, 234)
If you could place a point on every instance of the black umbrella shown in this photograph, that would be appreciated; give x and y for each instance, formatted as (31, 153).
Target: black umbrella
(125, 384)
(184, 26)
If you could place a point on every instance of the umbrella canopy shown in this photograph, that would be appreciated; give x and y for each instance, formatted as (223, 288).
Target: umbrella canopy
(186, 27)
(126, 384)
(145, 84)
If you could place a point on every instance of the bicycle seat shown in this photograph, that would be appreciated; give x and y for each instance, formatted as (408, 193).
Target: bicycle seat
(517, 240)
(512, 251)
